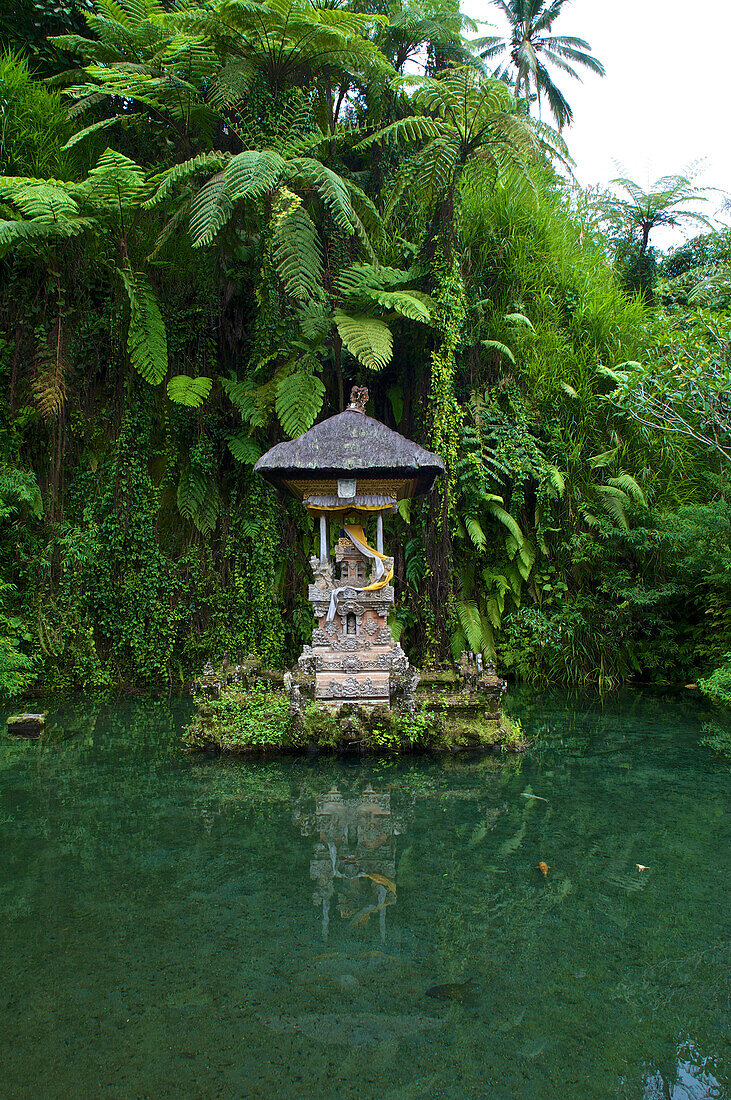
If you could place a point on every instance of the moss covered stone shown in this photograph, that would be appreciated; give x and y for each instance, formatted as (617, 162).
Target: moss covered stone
(258, 718)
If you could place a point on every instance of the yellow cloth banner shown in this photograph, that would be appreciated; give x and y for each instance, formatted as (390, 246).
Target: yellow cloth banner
(358, 536)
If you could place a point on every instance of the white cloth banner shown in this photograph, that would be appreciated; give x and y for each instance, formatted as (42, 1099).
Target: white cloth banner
(367, 552)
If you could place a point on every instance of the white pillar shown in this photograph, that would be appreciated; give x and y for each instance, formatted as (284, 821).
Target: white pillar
(324, 548)
(379, 532)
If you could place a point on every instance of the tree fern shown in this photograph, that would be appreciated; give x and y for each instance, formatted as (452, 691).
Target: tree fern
(248, 175)
(210, 210)
(299, 400)
(184, 390)
(368, 339)
(146, 337)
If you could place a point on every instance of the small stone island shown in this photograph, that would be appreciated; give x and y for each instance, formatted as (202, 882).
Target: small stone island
(353, 686)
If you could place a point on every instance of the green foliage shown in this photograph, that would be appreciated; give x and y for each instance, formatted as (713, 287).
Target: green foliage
(32, 121)
(146, 336)
(278, 211)
(188, 391)
(251, 718)
(299, 400)
(367, 338)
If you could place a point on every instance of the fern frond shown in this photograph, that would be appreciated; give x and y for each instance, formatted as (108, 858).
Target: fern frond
(409, 303)
(244, 449)
(502, 516)
(146, 337)
(556, 479)
(49, 383)
(613, 500)
(474, 530)
(471, 624)
(38, 229)
(210, 210)
(39, 198)
(184, 390)
(627, 484)
(81, 135)
(408, 130)
(248, 175)
(298, 251)
(368, 339)
(503, 349)
(303, 172)
(166, 180)
(299, 400)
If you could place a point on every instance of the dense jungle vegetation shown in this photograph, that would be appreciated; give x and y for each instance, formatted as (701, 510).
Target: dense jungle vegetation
(214, 219)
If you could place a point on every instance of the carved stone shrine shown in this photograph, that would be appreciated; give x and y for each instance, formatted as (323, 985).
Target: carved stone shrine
(349, 471)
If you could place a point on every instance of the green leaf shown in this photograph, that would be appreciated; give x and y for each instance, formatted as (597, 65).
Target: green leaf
(474, 530)
(628, 485)
(81, 134)
(556, 479)
(298, 253)
(409, 303)
(244, 449)
(368, 339)
(192, 392)
(504, 517)
(471, 624)
(146, 338)
(395, 395)
(519, 319)
(502, 348)
(299, 400)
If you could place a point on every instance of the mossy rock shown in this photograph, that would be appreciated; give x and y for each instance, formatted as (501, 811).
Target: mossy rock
(258, 719)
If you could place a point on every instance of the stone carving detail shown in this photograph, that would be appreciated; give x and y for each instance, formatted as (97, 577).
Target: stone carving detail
(331, 628)
(370, 627)
(358, 398)
(307, 660)
(351, 662)
(383, 637)
(351, 688)
(322, 571)
(319, 637)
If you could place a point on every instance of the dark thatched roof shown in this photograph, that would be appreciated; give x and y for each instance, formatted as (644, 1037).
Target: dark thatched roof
(351, 444)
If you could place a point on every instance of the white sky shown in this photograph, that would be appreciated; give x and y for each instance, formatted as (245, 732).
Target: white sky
(663, 106)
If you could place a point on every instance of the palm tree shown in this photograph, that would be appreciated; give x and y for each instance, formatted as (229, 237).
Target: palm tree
(530, 47)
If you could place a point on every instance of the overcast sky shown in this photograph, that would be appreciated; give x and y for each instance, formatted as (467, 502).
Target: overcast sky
(663, 106)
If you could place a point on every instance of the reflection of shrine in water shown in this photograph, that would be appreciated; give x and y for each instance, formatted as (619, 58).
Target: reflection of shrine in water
(354, 858)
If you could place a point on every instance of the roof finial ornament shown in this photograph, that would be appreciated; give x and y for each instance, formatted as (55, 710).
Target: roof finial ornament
(358, 399)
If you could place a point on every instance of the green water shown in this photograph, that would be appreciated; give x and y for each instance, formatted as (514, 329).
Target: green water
(178, 928)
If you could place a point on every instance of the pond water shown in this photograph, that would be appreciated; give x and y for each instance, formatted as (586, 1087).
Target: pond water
(200, 928)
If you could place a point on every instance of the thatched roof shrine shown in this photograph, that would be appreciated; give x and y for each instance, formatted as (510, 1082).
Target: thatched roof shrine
(351, 445)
